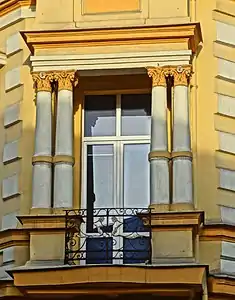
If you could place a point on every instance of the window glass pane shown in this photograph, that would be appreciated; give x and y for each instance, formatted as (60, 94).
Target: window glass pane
(100, 176)
(136, 114)
(136, 175)
(100, 115)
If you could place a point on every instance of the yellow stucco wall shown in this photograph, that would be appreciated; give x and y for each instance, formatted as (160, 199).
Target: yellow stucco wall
(205, 84)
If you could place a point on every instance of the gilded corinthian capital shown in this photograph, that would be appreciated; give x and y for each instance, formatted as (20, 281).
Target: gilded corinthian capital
(158, 76)
(181, 74)
(66, 80)
(42, 81)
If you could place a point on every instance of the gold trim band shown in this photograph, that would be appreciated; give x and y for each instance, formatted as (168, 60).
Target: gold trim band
(42, 159)
(181, 154)
(63, 159)
(157, 154)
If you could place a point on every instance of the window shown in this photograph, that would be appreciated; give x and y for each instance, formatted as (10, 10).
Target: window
(116, 144)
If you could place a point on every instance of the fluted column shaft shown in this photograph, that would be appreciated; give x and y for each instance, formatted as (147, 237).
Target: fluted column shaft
(42, 159)
(64, 160)
(159, 156)
(182, 155)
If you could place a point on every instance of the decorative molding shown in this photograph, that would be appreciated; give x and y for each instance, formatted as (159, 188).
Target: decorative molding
(16, 14)
(146, 280)
(13, 237)
(180, 74)
(159, 154)
(66, 80)
(188, 34)
(8, 6)
(42, 159)
(158, 76)
(87, 63)
(43, 222)
(63, 159)
(181, 154)
(43, 81)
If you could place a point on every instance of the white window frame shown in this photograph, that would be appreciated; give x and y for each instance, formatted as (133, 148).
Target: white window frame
(118, 143)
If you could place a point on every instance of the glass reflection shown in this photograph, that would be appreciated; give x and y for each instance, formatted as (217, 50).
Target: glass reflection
(100, 115)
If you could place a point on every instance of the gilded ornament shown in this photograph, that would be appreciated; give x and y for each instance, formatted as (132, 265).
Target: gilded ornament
(158, 76)
(181, 75)
(66, 80)
(43, 81)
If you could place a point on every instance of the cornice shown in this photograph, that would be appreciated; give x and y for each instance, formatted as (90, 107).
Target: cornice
(43, 222)
(8, 6)
(189, 34)
(13, 237)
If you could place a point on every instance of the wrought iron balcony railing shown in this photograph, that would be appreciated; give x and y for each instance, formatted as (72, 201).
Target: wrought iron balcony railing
(108, 236)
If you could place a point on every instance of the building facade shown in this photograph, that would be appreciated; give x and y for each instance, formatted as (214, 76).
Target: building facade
(117, 172)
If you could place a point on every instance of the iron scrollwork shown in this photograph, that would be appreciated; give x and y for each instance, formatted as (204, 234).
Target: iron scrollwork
(108, 235)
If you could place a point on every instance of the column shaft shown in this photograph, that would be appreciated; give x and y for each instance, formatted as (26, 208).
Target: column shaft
(182, 157)
(41, 193)
(159, 167)
(63, 177)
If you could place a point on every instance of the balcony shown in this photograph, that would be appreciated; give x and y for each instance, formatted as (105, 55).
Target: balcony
(108, 236)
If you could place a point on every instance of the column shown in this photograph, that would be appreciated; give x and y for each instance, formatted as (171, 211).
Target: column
(64, 160)
(182, 155)
(42, 159)
(159, 156)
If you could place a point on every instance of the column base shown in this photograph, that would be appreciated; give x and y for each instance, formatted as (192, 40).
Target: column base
(171, 226)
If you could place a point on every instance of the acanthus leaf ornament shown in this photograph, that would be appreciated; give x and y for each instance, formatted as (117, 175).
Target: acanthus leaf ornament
(66, 80)
(43, 81)
(158, 76)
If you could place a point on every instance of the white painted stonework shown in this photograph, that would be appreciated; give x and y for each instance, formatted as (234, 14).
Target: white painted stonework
(159, 169)
(109, 61)
(159, 119)
(159, 181)
(227, 215)
(43, 133)
(227, 266)
(228, 256)
(182, 180)
(226, 68)
(227, 179)
(17, 15)
(10, 151)
(12, 114)
(42, 174)
(13, 44)
(63, 187)
(226, 105)
(63, 184)
(8, 255)
(42, 180)
(9, 221)
(10, 187)
(225, 33)
(12, 78)
(228, 249)
(226, 141)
